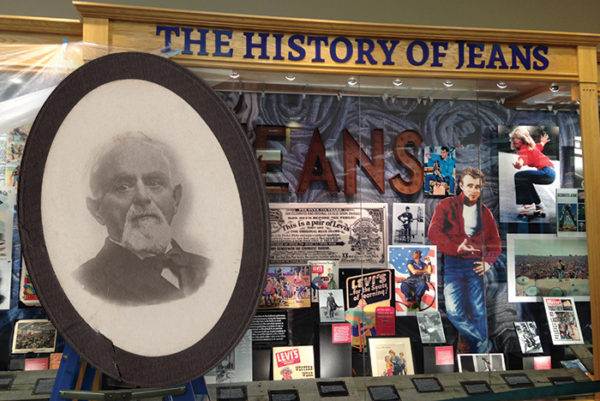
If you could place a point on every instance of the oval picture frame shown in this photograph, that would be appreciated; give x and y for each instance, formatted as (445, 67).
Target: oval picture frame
(157, 343)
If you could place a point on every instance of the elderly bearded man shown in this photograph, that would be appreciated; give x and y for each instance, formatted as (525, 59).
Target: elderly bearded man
(134, 195)
(465, 231)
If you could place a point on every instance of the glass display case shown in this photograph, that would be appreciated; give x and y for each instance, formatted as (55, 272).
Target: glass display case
(427, 204)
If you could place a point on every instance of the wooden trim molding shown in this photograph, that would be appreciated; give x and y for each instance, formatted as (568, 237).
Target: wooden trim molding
(55, 26)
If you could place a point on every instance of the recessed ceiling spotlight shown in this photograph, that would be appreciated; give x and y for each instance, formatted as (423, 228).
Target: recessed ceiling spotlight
(554, 88)
(397, 82)
(352, 81)
(448, 83)
(290, 77)
(501, 85)
(234, 75)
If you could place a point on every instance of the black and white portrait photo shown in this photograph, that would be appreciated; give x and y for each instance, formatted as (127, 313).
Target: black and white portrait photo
(144, 229)
(153, 223)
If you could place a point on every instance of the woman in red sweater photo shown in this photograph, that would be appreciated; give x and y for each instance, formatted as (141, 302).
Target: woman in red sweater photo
(530, 155)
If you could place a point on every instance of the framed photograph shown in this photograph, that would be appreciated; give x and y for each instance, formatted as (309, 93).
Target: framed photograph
(415, 271)
(563, 320)
(528, 336)
(390, 356)
(291, 363)
(286, 287)
(33, 335)
(529, 174)
(331, 306)
(431, 328)
(15, 144)
(481, 362)
(542, 265)
(324, 275)
(162, 211)
(236, 367)
(408, 223)
(440, 171)
(353, 234)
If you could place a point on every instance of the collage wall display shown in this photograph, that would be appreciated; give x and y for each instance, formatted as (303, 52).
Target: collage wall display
(473, 266)
(349, 224)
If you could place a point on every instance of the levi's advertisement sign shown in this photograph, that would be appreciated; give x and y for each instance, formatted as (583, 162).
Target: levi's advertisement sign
(293, 362)
(323, 51)
(287, 357)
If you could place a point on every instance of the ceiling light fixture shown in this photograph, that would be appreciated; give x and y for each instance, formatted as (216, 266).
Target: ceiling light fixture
(448, 83)
(397, 82)
(554, 88)
(290, 77)
(234, 75)
(501, 85)
(352, 81)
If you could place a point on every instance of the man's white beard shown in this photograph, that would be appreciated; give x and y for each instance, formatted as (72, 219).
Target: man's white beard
(146, 230)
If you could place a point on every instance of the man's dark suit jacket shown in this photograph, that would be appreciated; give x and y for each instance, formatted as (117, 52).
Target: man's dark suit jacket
(118, 276)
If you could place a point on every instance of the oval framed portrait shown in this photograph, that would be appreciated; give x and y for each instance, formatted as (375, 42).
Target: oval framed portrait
(143, 219)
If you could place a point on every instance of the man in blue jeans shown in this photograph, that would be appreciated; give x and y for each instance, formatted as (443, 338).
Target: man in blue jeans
(465, 231)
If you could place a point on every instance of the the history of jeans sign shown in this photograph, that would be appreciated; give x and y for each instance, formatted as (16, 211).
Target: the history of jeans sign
(313, 231)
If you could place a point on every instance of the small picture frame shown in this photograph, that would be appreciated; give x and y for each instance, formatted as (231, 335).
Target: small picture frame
(517, 379)
(390, 356)
(33, 335)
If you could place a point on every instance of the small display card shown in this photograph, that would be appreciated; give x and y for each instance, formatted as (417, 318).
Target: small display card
(385, 321)
(427, 384)
(517, 379)
(284, 395)
(332, 389)
(476, 387)
(341, 333)
(232, 393)
(383, 393)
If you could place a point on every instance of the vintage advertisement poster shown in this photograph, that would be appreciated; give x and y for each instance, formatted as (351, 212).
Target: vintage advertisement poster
(529, 339)
(331, 306)
(440, 171)
(27, 293)
(286, 287)
(33, 335)
(8, 197)
(430, 327)
(566, 211)
(534, 272)
(415, 270)
(528, 173)
(353, 234)
(391, 356)
(5, 281)
(563, 320)
(324, 275)
(236, 367)
(291, 363)
(366, 289)
(408, 223)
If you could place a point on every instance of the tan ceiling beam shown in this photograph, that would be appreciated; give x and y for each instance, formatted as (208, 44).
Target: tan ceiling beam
(328, 27)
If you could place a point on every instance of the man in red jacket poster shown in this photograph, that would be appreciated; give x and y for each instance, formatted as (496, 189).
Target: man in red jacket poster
(465, 231)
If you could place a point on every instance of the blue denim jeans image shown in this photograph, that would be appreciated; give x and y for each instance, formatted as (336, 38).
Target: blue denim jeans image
(464, 292)
(524, 180)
